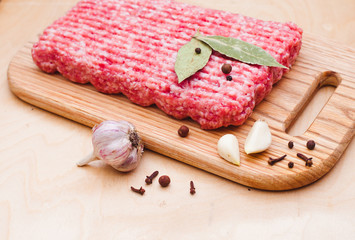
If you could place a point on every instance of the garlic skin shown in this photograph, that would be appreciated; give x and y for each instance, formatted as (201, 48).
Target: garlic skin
(259, 138)
(228, 148)
(117, 143)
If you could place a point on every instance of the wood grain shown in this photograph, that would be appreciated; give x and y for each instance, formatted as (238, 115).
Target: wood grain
(320, 63)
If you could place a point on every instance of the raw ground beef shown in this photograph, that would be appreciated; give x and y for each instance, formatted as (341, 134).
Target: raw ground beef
(130, 46)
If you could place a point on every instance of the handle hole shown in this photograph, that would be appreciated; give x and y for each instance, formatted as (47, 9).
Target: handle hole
(327, 83)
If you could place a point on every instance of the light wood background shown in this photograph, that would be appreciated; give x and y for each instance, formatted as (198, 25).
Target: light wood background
(43, 195)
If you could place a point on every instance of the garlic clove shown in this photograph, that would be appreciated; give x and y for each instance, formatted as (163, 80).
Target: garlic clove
(228, 148)
(259, 138)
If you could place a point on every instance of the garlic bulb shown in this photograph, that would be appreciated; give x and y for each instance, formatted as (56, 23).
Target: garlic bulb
(117, 143)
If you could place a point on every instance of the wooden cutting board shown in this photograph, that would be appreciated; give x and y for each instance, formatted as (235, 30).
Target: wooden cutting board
(320, 63)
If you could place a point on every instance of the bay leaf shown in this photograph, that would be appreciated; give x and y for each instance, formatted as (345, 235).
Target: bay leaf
(188, 62)
(239, 50)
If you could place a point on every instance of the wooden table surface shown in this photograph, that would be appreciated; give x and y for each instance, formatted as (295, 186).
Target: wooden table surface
(43, 195)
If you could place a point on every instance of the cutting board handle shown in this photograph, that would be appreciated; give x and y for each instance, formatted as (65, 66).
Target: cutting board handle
(335, 124)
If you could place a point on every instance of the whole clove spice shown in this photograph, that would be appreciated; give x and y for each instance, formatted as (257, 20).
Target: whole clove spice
(150, 178)
(290, 164)
(308, 160)
(290, 144)
(272, 161)
(192, 188)
(140, 190)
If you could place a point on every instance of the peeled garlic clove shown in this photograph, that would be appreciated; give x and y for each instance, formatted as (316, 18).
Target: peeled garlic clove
(258, 139)
(228, 148)
(117, 143)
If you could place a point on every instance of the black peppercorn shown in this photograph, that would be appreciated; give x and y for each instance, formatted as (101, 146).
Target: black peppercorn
(183, 131)
(311, 144)
(226, 68)
(164, 181)
(229, 78)
(198, 50)
(290, 164)
(290, 144)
